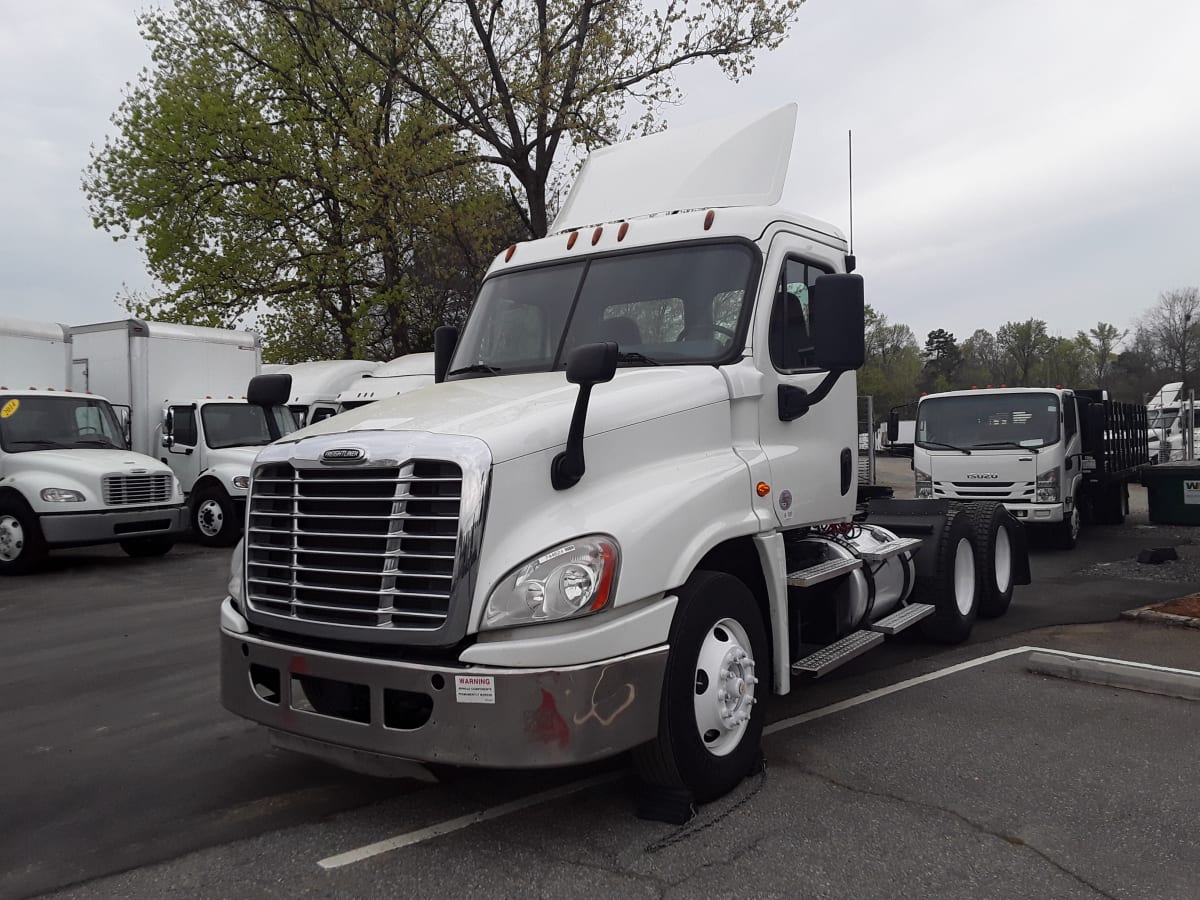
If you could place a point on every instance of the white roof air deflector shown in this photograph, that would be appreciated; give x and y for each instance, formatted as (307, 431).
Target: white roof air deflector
(713, 164)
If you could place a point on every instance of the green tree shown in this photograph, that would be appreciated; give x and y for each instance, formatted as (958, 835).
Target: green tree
(943, 359)
(982, 361)
(893, 363)
(276, 175)
(1066, 362)
(1023, 345)
(527, 81)
(1101, 346)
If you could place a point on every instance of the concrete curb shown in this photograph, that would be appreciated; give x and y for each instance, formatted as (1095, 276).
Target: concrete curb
(1147, 614)
(1119, 675)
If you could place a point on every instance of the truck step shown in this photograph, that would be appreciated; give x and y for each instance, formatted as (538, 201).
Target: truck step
(829, 658)
(902, 618)
(890, 549)
(822, 571)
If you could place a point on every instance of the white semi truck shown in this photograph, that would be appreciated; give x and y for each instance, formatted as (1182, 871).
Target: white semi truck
(1169, 415)
(624, 515)
(67, 477)
(185, 390)
(1057, 459)
(317, 386)
(398, 376)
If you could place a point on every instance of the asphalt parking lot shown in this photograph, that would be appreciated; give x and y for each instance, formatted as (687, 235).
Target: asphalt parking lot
(986, 782)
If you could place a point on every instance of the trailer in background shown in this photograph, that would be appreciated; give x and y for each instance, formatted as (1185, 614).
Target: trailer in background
(317, 385)
(400, 376)
(34, 354)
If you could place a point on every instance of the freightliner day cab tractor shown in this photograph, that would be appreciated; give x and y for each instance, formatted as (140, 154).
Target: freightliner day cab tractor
(184, 388)
(67, 476)
(624, 515)
(410, 372)
(1057, 459)
(317, 385)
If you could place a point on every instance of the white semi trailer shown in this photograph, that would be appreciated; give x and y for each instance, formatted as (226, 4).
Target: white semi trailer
(625, 513)
(317, 386)
(67, 477)
(185, 388)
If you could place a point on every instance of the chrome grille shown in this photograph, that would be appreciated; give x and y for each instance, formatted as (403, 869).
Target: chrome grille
(372, 546)
(985, 490)
(124, 490)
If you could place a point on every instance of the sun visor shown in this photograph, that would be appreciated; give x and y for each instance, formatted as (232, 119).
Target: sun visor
(721, 163)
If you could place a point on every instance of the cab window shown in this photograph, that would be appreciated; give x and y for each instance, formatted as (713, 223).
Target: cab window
(788, 337)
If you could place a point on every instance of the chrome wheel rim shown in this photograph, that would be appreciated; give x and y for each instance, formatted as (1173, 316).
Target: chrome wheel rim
(12, 538)
(964, 577)
(725, 687)
(210, 518)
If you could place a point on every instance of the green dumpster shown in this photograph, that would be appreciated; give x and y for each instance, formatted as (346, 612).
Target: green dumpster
(1173, 491)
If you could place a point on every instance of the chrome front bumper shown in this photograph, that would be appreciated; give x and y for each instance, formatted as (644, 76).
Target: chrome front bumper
(470, 716)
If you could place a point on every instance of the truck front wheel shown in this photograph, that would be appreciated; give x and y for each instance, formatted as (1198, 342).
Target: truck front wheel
(710, 720)
(22, 546)
(1065, 534)
(213, 517)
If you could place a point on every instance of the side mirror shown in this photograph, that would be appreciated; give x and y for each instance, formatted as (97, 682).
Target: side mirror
(838, 322)
(445, 339)
(269, 390)
(893, 427)
(168, 427)
(587, 366)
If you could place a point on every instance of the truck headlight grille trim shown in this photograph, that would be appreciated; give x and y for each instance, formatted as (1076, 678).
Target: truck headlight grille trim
(367, 547)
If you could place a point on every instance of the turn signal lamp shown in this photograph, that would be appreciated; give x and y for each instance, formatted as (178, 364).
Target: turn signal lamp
(762, 489)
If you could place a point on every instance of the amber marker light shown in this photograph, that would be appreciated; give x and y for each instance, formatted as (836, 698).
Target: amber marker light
(508, 254)
(708, 219)
(622, 231)
(574, 236)
(596, 236)
(763, 489)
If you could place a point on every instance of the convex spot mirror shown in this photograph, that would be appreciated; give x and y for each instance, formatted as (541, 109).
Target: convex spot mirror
(837, 322)
(893, 427)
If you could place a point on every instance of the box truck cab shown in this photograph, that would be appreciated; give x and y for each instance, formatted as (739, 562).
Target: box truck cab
(391, 379)
(624, 514)
(317, 385)
(185, 388)
(1053, 457)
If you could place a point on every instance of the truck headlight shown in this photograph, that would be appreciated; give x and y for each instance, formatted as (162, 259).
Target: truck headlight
(178, 486)
(573, 579)
(241, 482)
(237, 565)
(61, 495)
(924, 485)
(1047, 487)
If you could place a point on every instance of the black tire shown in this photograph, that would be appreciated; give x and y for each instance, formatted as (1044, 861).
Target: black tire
(144, 547)
(22, 545)
(1065, 534)
(214, 517)
(953, 589)
(995, 561)
(680, 757)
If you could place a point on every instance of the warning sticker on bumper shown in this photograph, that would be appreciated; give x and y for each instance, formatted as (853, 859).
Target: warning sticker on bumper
(475, 688)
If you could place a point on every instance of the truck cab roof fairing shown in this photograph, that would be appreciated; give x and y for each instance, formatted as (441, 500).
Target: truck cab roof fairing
(720, 163)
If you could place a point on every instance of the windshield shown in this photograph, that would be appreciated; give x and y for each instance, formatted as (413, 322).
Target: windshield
(685, 305)
(988, 420)
(243, 424)
(57, 423)
(1163, 418)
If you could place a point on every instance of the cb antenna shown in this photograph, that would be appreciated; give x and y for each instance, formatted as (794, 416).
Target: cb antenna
(850, 261)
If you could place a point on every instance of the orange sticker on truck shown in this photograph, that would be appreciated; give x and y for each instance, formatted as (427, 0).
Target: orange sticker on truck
(10, 409)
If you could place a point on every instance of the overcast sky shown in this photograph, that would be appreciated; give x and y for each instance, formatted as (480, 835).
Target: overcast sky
(1013, 158)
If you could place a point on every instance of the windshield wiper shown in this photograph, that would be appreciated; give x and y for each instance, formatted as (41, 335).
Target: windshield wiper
(991, 444)
(478, 367)
(41, 442)
(964, 450)
(96, 442)
(633, 357)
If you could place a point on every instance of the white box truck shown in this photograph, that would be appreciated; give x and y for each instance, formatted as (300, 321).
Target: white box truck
(391, 379)
(625, 513)
(67, 477)
(185, 389)
(1056, 458)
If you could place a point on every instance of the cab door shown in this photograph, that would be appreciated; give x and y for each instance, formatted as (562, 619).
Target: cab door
(185, 453)
(813, 458)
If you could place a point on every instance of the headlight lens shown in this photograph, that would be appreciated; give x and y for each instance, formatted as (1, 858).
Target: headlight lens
(241, 482)
(1047, 487)
(61, 495)
(573, 579)
(178, 487)
(924, 485)
(236, 567)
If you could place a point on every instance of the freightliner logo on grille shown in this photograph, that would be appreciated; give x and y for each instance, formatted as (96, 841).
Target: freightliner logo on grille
(342, 455)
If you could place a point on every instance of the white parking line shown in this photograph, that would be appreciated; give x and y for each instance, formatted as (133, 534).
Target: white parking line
(451, 825)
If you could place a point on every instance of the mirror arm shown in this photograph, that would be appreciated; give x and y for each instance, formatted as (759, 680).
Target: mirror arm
(794, 401)
(568, 467)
